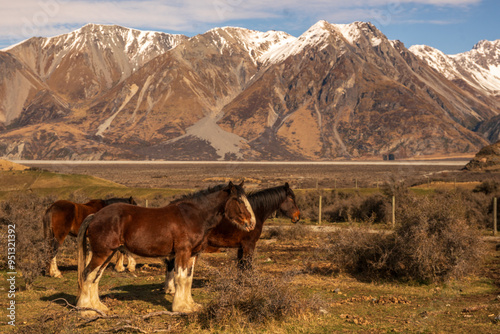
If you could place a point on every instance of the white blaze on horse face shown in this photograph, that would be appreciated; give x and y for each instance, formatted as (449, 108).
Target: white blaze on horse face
(253, 221)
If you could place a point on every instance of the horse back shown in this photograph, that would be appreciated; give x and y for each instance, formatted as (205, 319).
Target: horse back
(143, 231)
(67, 216)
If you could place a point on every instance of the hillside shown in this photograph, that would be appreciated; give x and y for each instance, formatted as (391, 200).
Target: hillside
(335, 92)
(487, 159)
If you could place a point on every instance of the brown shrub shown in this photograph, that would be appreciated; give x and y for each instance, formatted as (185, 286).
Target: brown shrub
(242, 298)
(338, 206)
(432, 242)
(361, 253)
(25, 211)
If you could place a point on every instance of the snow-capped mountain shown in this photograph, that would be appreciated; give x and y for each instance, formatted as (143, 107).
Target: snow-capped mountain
(84, 63)
(479, 67)
(336, 91)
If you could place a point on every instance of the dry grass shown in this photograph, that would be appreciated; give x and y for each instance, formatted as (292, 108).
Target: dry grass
(297, 286)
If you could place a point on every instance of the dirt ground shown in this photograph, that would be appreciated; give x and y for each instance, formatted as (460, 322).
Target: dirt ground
(300, 176)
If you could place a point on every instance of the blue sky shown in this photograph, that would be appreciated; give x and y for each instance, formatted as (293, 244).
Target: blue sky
(452, 26)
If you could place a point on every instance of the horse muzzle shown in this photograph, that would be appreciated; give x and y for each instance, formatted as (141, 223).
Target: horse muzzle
(296, 218)
(249, 224)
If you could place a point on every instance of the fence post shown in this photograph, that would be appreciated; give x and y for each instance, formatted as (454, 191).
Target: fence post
(146, 203)
(319, 213)
(393, 211)
(495, 215)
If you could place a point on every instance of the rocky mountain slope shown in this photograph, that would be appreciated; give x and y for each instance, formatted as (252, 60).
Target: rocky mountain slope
(337, 91)
(487, 159)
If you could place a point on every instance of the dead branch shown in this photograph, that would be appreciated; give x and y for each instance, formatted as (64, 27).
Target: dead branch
(154, 314)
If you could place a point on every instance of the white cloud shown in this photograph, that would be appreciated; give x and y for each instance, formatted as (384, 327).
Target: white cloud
(26, 18)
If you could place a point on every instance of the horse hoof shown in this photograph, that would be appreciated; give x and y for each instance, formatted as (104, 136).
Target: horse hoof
(103, 308)
(88, 314)
(197, 307)
(131, 269)
(119, 269)
(187, 308)
(56, 274)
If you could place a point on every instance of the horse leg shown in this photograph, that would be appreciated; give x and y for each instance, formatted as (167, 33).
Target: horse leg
(89, 294)
(131, 263)
(54, 247)
(59, 228)
(191, 301)
(169, 276)
(245, 256)
(119, 262)
(183, 278)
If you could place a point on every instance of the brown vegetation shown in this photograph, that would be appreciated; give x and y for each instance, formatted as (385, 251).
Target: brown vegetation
(433, 241)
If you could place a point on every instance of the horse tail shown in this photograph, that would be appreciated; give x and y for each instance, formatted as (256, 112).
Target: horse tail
(82, 250)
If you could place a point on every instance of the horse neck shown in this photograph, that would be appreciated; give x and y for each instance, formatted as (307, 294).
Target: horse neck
(265, 202)
(96, 204)
(211, 205)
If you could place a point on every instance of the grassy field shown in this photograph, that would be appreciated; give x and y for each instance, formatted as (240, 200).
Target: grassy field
(334, 302)
(325, 299)
(63, 185)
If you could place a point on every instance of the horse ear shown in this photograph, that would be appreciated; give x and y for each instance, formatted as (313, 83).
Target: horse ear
(242, 183)
(229, 188)
(287, 186)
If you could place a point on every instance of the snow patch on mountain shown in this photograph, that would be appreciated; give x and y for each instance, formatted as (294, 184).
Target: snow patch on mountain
(315, 35)
(479, 67)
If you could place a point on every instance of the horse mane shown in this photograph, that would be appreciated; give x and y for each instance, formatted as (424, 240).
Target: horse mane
(95, 201)
(116, 200)
(202, 193)
(267, 200)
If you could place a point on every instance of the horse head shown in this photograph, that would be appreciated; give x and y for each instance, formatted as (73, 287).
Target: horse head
(132, 201)
(237, 209)
(289, 207)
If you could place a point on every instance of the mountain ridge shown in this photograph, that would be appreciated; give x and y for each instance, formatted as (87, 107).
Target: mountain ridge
(335, 92)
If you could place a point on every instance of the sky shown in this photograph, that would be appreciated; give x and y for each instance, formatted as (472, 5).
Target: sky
(452, 26)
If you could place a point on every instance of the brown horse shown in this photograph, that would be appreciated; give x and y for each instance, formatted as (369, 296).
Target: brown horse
(64, 218)
(225, 235)
(179, 229)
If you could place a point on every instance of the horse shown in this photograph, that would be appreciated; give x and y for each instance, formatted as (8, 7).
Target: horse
(178, 229)
(64, 218)
(225, 235)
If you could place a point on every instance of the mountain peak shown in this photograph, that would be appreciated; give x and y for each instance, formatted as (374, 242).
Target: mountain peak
(353, 32)
(485, 44)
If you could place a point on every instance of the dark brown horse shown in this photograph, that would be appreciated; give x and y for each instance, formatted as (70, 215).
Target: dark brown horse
(64, 218)
(179, 229)
(225, 235)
